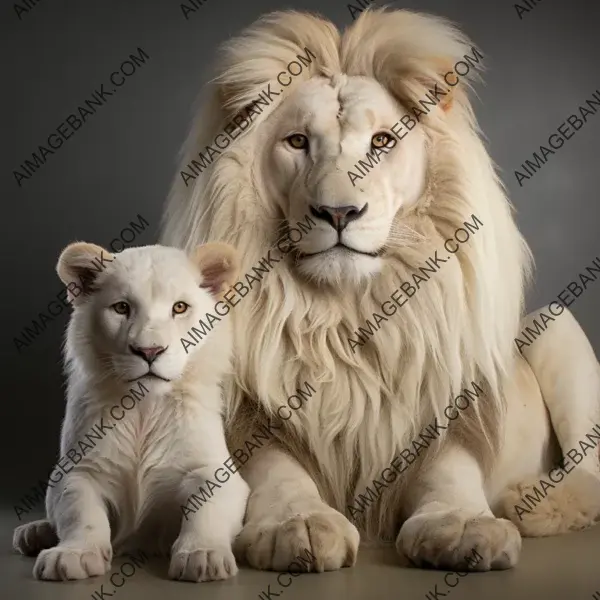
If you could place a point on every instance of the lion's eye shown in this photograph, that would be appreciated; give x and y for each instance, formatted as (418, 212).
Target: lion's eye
(179, 308)
(297, 141)
(121, 308)
(381, 140)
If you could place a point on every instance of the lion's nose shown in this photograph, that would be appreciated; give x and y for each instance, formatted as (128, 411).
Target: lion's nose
(148, 354)
(338, 216)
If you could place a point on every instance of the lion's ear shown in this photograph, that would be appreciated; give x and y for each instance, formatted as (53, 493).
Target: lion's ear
(219, 266)
(444, 68)
(422, 60)
(435, 83)
(78, 267)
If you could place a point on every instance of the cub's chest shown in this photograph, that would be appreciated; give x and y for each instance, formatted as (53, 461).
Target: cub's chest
(147, 437)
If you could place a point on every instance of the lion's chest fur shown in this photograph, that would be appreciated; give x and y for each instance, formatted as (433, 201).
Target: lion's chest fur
(367, 400)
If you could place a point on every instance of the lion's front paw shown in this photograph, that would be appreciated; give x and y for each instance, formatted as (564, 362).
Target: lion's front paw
(30, 539)
(201, 564)
(453, 540)
(321, 540)
(66, 562)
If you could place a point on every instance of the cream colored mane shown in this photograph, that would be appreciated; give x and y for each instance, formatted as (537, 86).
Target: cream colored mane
(459, 329)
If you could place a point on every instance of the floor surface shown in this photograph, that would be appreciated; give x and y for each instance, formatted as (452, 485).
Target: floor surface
(558, 568)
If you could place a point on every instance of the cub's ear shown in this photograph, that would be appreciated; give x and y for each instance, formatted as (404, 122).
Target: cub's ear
(78, 267)
(219, 265)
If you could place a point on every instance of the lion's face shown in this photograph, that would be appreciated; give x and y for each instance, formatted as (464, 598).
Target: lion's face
(315, 139)
(133, 312)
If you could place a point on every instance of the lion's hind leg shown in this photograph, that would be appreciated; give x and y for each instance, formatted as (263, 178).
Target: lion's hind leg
(538, 510)
(567, 498)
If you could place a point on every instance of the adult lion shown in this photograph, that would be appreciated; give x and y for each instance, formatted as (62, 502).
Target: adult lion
(369, 236)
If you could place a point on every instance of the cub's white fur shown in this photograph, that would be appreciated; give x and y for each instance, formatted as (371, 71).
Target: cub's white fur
(130, 487)
(294, 326)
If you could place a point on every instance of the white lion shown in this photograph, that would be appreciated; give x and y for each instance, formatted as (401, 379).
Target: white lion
(366, 237)
(156, 410)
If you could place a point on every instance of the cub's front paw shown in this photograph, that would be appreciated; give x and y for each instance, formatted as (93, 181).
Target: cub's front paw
(320, 540)
(450, 539)
(67, 562)
(192, 562)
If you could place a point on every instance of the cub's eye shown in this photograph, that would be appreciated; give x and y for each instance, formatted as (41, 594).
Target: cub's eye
(297, 141)
(179, 308)
(121, 308)
(381, 140)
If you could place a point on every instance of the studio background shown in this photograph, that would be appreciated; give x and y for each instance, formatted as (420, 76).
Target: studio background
(121, 162)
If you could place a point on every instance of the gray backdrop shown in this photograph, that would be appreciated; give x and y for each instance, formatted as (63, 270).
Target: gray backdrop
(121, 161)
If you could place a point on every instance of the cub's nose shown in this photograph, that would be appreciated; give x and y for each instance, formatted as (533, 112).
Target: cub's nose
(148, 354)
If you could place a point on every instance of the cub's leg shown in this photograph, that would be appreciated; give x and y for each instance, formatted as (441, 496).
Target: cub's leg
(203, 550)
(286, 519)
(77, 511)
(452, 525)
(568, 374)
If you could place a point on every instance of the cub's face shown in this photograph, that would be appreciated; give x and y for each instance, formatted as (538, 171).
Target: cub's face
(132, 309)
(316, 138)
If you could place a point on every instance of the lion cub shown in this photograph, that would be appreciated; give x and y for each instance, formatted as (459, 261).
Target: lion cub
(157, 407)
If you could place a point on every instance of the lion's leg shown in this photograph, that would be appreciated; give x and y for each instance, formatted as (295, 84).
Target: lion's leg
(452, 525)
(568, 375)
(286, 519)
